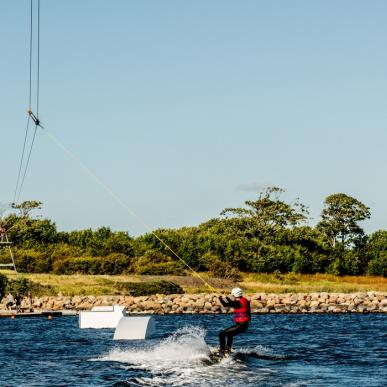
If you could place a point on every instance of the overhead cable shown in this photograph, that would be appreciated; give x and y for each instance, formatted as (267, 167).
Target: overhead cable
(21, 160)
(24, 162)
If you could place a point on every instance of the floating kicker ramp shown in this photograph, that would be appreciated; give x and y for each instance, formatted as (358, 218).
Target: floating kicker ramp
(126, 327)
(135, 328)
(101, 317)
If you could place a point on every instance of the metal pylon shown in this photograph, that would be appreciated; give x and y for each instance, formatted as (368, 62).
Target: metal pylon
(4, 242)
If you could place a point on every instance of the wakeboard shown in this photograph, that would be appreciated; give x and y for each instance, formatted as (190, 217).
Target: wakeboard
(215, 356)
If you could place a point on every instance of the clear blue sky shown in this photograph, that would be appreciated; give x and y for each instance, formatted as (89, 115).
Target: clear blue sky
(186, 107)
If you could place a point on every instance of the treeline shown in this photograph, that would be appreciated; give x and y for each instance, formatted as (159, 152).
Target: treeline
(266, 235)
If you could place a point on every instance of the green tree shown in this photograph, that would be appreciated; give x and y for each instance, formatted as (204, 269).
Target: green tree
(26, 207)
(376, 253)
(377, 242)
(32, 233)
(378, 265)
(268, 214)
(340, 217)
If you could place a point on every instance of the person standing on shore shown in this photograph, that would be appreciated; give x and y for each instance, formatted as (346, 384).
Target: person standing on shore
(9, 301)
(242, 317)
(31, 301)
(18, 300)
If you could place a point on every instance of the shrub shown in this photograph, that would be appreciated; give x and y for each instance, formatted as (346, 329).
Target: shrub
(3, 285)
(346, 263)
(378, 266)
(218, 268)
(378, 241)
(270, 259)
(29, 233)
(23, 286)
(62, 251)
(149, 288)
(111, 264)
(100, 242)
(304, 262)
(351, 263)
(154, 262)
(32, 261)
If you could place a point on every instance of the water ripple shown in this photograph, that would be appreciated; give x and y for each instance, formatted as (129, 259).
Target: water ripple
(289, 350)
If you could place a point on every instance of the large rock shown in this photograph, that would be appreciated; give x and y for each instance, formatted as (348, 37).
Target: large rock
(360, 302)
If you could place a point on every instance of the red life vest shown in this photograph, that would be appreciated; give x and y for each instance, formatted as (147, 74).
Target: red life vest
(242, 314)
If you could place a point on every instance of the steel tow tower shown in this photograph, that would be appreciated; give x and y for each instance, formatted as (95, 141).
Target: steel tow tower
(5, 243)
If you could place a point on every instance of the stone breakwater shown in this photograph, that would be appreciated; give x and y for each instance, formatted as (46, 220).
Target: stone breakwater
(375, 302)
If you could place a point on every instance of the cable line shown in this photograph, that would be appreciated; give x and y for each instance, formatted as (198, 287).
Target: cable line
(31, 37)
(122, 203)
(29, 105)
(38, 64)
(27, 163)
(31, 116)
(21, 160)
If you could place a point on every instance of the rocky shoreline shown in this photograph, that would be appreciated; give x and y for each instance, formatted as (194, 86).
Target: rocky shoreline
(361, 302)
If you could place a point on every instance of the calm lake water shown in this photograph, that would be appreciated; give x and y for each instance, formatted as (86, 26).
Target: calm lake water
(290, 350)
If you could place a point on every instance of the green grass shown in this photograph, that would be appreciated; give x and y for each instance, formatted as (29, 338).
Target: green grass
(307, 283)
(70, 285)
(79, 284)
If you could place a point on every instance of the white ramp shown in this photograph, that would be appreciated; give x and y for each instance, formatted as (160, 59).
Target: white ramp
(101, 317)
(135, 328)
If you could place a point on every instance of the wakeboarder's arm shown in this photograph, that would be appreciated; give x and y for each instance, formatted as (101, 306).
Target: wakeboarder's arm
(229, 303)
(223, 302)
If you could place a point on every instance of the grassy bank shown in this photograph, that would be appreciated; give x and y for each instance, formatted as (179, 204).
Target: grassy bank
(307, 283)
(270, 283)
(79, 284)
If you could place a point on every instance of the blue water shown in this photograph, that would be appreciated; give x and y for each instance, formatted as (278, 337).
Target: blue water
(291, 350)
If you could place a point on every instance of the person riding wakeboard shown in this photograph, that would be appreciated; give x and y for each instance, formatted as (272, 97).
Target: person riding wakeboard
(242, 317)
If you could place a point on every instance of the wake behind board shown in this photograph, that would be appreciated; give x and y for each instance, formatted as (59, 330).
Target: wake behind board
(261, 356)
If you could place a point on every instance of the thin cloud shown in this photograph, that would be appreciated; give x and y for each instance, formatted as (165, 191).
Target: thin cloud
(253, 186)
